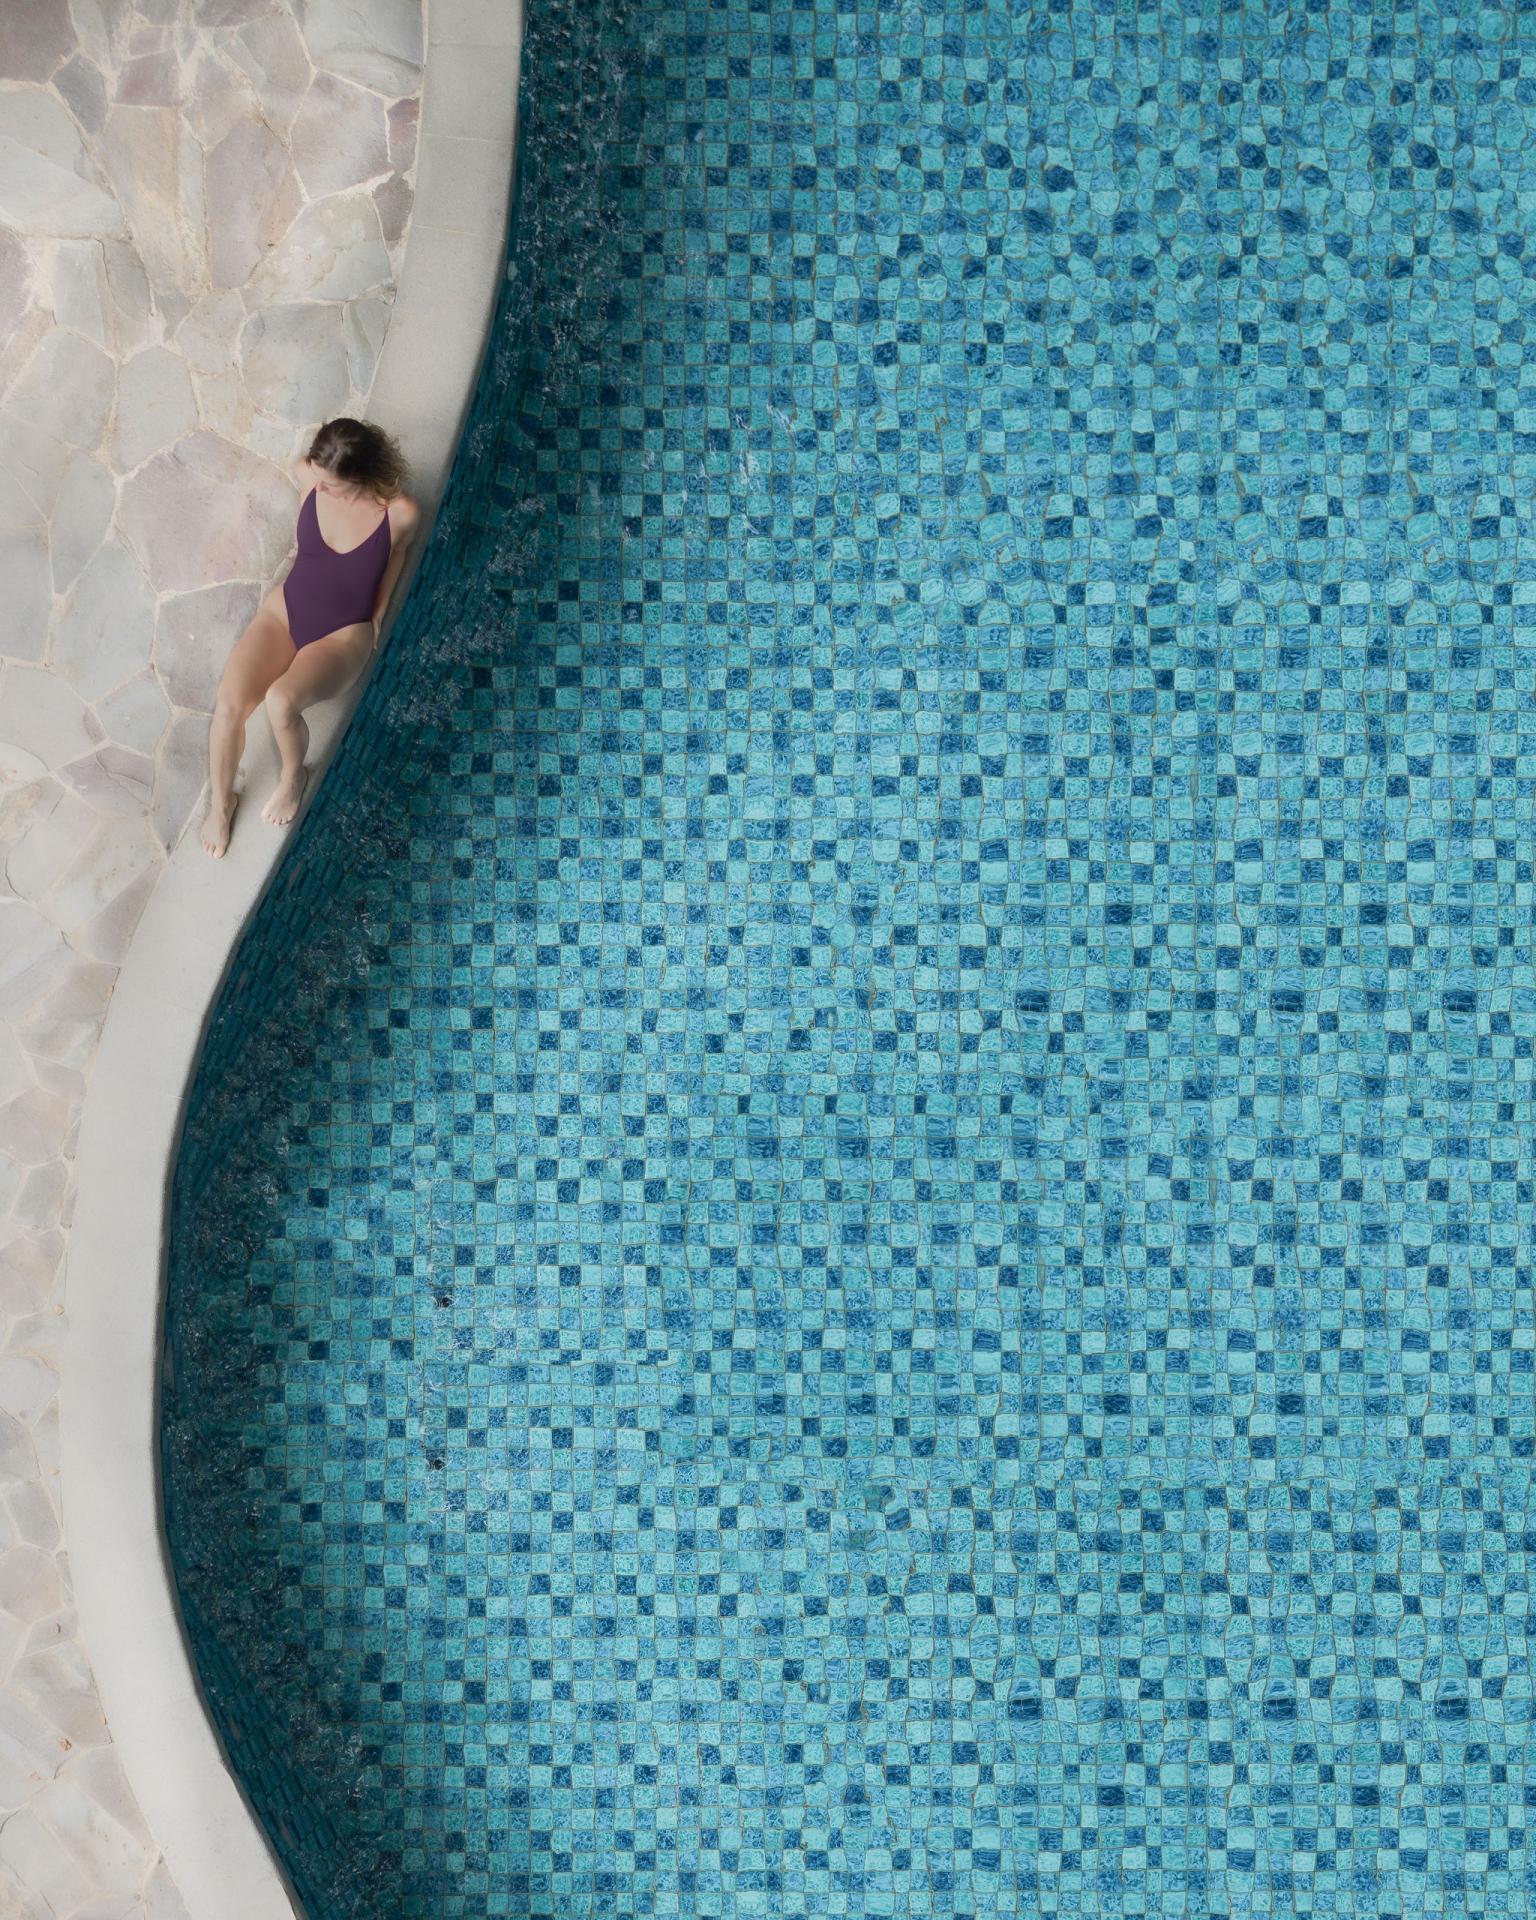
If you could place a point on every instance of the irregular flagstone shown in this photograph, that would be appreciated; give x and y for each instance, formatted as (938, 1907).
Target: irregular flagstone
(26, 593)
(106, 1852)
(20, 1151)
(82, 299)
(58, 1681)
(13, 1183)
(16, 349)
(271, 52)
(24, 810)
(205, 510)
(38, 1203)
(39, 195)
(64, 1622)
(103, 33)
(224, 404)
(41, 1337)
(35, 462)
(56, 1626)
(193, 638)
(12, 1175)
(28, 1745)
(82, 512)
(333, 251)
(33, 1855)
(104, 633)
(28, 948)
(34, 38)
(18, 1458)
(33, 1517)
(98, 1773)
(294, 360)
(15, 1073)
(63, 1021)
(392, 198)
(45, 1438)
(154, 406)
(44, 716)
(84, 90)
(115, 855)
(364, 325)
(209, 335)
(150, 80)
(12, 1646)
(273, 438)
(121, 1906)
(28, 1267)
(132, 311)
(41, 188)
(18, 768)
(229, 13)
(379, 46)
(172, 305)
(181, 778)
(35, 119)
(37, 1259)
(15, 280)
(29, 1582)
(42, 826)
(47, 198)
(23, 1904)
(26, 1906)
(161, 1900)
(251, 201)
(115, 780)
(66, 389)
(215, 97)
(35, 1126)
(136, 715)
(54, 1078)
(106, 936)
(155, 166)
(339, 137)
(209, 123)
(124, 1906)
(404, 124)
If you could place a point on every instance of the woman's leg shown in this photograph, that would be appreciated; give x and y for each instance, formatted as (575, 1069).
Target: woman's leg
(322, 669)
(262, 654)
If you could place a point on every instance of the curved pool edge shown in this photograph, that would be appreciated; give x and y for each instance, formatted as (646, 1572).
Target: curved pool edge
(130, 1618)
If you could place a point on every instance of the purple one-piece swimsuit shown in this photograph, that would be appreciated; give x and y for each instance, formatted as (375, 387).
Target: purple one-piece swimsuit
(326, 590)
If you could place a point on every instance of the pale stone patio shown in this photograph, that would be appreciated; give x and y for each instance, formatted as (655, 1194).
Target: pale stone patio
(203, 211)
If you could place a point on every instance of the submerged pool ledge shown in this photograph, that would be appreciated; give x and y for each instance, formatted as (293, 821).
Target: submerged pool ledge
(130, 1619)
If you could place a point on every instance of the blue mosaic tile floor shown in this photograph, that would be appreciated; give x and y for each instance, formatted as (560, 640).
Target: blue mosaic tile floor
(856, 1236)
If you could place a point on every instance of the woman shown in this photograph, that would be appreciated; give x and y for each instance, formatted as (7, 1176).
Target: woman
(312, 636)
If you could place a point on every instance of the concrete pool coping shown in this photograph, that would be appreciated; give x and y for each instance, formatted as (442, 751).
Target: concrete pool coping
(130, 1618)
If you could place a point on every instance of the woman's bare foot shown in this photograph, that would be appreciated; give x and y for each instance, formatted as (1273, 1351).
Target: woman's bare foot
(284, 804)
(215, 828)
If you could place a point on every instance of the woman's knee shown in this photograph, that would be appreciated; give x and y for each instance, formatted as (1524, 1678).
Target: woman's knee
(283, 705)
(234, 705)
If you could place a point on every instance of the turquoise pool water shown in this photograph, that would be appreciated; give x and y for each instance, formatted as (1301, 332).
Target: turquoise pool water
(855, 1238)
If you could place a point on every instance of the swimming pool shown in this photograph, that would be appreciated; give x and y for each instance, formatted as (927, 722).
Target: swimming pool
(855, 1237)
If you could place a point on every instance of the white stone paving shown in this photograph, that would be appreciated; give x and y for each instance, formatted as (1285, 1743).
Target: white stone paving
(203, 205)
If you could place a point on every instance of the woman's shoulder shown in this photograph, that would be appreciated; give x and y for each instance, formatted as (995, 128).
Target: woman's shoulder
(404, 515)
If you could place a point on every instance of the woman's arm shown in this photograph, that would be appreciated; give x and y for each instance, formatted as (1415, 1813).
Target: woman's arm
(400, 538)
